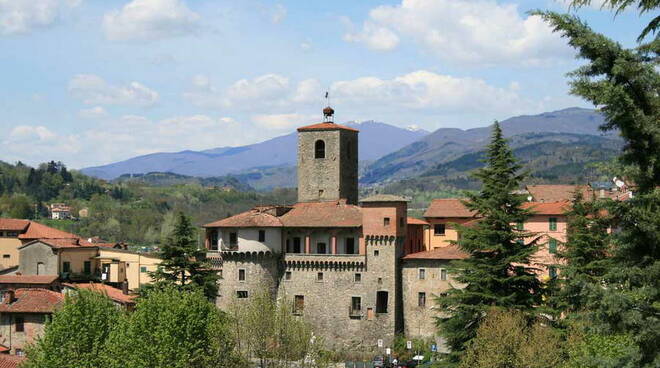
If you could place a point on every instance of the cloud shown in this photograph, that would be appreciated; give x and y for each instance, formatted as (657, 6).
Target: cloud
(146, 20)
(463, 31)
(283, 121)
(27, 133)
(278, 14)
(426, 91)
(93, 113)
(94, 90)
(22, 16)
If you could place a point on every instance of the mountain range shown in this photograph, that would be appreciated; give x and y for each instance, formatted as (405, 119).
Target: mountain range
(552, 145)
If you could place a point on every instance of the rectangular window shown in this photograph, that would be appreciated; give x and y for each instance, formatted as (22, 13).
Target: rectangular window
(520, 225)
(20, 324)
(319, 276)
(241, 275)
(358, 277)
(321, 248)
(552, 246)
(443, 274)
(439, 229)
(376, 253)
(298, 304)
(386, 221)
(87, 267)
(297, 245)
(381, 301)
(262, 235)
(214, 240)
(552, 271)
(242, 294)
(12, 234)
(66, 266)
(553, 223)
(356, 305)
(422, 274)
(20, 352)
(143, 269)
(233, 239)
(6, 256)
(287, 275)
(421, 300)
(350, 246)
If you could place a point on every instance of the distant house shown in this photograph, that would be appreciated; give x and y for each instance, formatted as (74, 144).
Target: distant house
(23, 314)
(119, 297)
(50, 282)
(442, 215)
(60, 211)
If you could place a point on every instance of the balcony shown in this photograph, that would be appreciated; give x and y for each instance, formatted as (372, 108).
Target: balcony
(354, 313)
(325, 260)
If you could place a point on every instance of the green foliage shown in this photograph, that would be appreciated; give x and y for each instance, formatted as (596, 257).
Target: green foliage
(495, 273)
(419, 346)
(586, 255)
(590, 350)
(266, 329)
(184, 265)
(506, 340)
(644, 6)
(76, 335)
(172, 329)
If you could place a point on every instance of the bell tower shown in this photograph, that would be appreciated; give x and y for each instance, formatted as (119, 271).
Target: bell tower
(327, 161)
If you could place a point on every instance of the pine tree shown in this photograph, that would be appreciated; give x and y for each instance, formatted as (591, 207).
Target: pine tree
(184, 265)
(496, 273)
(624, 83)
(586, 255)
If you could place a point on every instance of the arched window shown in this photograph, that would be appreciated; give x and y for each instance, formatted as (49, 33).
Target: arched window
(319, 149)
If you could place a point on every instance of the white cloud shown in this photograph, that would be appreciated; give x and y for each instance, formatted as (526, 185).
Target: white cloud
(265, 91)
(463, 31)
(94, 90)
(27, 133)
(142, 20)
(283, 121)
(278, 14)
(93, 112)
(22, 16)
(425, 90)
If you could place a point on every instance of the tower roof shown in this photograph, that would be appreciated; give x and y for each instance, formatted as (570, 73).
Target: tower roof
(326, 126)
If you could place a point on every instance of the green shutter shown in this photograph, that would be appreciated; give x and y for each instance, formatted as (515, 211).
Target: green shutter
(552, 246)
(553, 224)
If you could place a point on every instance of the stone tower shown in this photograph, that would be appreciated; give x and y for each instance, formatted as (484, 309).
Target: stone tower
(327, 161)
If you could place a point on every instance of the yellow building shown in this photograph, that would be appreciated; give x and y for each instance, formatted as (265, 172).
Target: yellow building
(10, 229)
(117, 265)
(441, 215)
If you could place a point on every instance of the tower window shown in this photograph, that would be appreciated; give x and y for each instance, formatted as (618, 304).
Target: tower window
(386, 221)
(319, 149)
(262, 235)
(381, 302)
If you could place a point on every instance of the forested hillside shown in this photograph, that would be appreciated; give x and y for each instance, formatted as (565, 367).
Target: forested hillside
(134, 211)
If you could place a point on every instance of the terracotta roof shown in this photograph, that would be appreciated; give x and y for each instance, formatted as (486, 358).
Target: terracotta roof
(39, 231)
(557, 192)
(416, 221)
(548, 208)
(111, 292)
(28, 279)
(255, 217)
(384, 198)
(10, 361)
(449, 207)
(323, 214)
(13, 224)
(448, 252)
(32, 300)
(326, 126)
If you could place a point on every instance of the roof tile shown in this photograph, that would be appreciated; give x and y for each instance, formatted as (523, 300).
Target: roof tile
(13, 224)
(32, 300)
(448, 207)
(326, 126)
(448, 252)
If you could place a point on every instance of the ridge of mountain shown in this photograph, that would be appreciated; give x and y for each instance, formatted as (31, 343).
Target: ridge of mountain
(376, 140)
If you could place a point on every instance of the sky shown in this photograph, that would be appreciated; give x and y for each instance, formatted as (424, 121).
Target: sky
(90, 82)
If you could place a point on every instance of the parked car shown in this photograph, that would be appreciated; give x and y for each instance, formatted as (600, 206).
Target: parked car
(379, 362)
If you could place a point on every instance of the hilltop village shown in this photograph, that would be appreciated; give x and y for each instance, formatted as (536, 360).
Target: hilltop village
(359, 269)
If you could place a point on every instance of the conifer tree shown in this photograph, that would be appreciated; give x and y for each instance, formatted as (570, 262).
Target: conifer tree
(496, 272)
(624, 83)
(586, 254)
(184, 265)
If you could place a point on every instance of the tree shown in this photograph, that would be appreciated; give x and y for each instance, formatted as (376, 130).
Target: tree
(496, 272)
(586, 255)
(624, 83)
(172, 329)
(505, 340)
(644, 6)
(76, 335)
(183, 264)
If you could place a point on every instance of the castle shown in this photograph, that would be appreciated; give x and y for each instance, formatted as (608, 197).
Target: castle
(337, 259)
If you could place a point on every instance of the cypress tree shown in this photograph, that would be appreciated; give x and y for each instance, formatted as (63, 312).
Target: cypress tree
(184, 265)
(496, 273)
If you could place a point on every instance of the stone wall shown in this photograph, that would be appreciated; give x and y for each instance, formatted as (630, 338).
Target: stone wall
(330, 178)
(33, 327)
(262, 272)
(36, 253)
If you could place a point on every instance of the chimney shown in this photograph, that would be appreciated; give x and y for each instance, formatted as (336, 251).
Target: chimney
(124, 287)
(10, 296)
